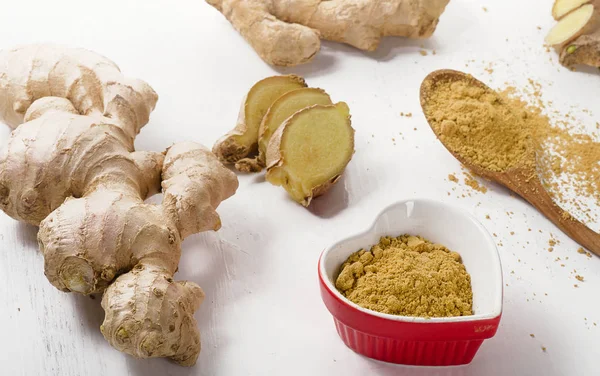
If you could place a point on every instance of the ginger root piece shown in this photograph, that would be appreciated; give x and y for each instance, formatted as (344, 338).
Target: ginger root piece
(309, 152)
(576, 36)
(243, 139)
(70, 167)
(288, 32)
(583, 50)
(284, 107)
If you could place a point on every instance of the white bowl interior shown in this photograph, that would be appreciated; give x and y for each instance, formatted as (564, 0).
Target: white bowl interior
(438, 223)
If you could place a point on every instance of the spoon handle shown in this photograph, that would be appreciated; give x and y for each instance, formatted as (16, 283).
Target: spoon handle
(532, 190)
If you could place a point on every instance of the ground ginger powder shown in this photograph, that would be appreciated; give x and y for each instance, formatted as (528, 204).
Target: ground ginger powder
(498, 131)
(475, 124)
(567, 159)
(407, 276)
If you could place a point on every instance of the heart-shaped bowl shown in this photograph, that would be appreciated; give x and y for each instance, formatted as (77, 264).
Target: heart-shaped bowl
(438, 341)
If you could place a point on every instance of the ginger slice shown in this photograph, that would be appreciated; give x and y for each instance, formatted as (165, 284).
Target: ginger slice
(284, 107)
(578, 22)
(576, 36)
(562, 7)
(243, 139)
(310, 151)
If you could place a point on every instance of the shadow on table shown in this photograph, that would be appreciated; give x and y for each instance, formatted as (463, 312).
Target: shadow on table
(332, 202)
(511, 352)
(327, 58)
(391, 47)
(323, 63)
(159, 367)
(394, 370)
(584, 69)
(27, 235)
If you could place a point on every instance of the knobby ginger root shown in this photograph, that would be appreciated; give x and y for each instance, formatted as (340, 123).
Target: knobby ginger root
(243, 139)
(281, 109)
(576, 36)
(70, 167)
(309, 152)
(288, 32)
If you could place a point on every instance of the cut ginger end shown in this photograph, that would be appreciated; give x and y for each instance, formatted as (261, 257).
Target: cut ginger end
(309, 152)
(563, 7)
(570, 26)
(243, 139)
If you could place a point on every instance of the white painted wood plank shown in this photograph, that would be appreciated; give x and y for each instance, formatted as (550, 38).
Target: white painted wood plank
(263, 314)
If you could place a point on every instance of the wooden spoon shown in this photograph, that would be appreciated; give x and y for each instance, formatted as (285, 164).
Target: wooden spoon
(521, 178)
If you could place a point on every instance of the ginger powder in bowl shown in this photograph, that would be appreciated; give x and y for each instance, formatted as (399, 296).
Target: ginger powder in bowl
(405, 300)
(407, 276)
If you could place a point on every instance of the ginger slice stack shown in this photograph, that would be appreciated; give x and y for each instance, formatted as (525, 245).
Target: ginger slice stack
(303, 140)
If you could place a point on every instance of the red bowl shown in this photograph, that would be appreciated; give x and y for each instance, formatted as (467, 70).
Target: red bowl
(416, 340)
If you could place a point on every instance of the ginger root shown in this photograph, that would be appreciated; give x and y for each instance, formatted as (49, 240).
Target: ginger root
(288, 32)
(243, 139)
(70, 167)
(576, 36)
(309, 152)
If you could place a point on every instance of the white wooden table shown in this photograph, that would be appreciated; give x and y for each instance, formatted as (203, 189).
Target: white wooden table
(263, 314)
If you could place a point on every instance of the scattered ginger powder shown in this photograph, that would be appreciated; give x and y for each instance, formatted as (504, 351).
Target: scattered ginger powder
(407, 276)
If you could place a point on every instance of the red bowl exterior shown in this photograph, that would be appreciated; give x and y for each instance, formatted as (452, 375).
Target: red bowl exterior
(412, 343)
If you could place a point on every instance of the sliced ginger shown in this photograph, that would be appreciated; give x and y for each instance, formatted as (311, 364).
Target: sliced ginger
(576, 36)
(284, 107)
(243, 139)
(303, 139)
(562, 7)
(571, 26)
(309, 152)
